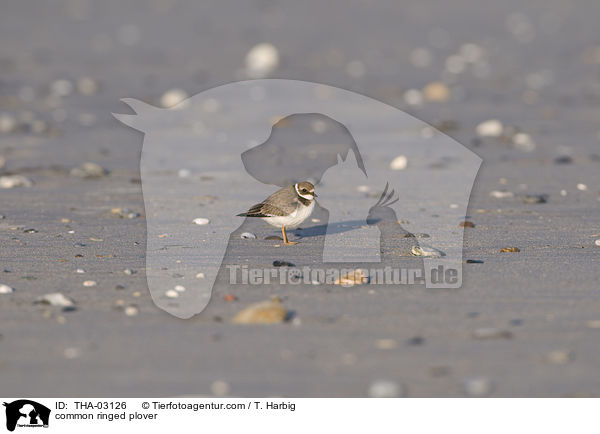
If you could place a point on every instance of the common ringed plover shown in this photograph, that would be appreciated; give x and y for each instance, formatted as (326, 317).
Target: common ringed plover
(286, 208)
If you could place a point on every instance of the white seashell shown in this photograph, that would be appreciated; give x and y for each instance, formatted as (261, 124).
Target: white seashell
(7, 123)
(523, 142)
(582, 187)
(501, 194)
(385, 389)
(56, 299)
(248, 236)
(90, 283)
(174, 97)
(201, 221)
(179, 288)
(171, 293)
(12, 181)
(399, 163)
(5, 289)
(131, 310)
(491, 128)
(261, 60)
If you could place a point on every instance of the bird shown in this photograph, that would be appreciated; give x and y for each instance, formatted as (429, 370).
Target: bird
(286, 208)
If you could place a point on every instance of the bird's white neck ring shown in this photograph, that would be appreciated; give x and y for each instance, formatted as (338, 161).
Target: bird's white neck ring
(304, 196)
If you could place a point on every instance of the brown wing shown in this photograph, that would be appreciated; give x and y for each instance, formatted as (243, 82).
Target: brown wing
(263, 210)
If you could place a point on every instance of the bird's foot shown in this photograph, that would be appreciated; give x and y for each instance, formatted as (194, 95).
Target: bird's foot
(290, 243)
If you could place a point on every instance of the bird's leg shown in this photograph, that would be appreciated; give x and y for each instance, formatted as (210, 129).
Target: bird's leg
(285, 240)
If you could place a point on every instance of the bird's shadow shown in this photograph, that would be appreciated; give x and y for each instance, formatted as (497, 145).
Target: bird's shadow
(334, 228)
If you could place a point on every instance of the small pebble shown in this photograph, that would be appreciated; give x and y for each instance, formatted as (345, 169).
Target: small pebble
(261, 60)
(563, 159)
(5, 289)
(386, 344)
(88, 170)
(201, 221)
(523, 142)
(90, 283)
(413, 97)
(200, 276)
(8, 123)
(385, 389)
(173, 97)
(265, 312)
(492, 333)
(399, 163)
(55, 299)
(437, 92)
(415, 341)
(131, 310)
(61, 87)
(535, 198)
(490, 128)
(87, 86)
(501, 194)
(356, 69)
(72, 353)
(478, 387)
(594, 324)
(582, 187)
(282, 264)
(171, 293)
(12, 181)
(219, 388)
(179, 288)
(560, 357)
(229, 297)
(248, 236)
(124, 213)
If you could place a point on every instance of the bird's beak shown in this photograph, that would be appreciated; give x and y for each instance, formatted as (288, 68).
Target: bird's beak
(315, 194)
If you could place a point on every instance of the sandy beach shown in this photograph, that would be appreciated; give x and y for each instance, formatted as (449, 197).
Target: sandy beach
(524, 324)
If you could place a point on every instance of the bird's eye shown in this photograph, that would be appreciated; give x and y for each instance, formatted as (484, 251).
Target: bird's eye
(304, 190)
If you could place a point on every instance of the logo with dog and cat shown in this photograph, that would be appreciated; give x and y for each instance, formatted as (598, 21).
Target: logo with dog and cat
(24, 413)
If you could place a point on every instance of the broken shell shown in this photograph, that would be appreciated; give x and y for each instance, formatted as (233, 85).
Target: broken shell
(265, 312)
(352, 278)
(428, 252)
